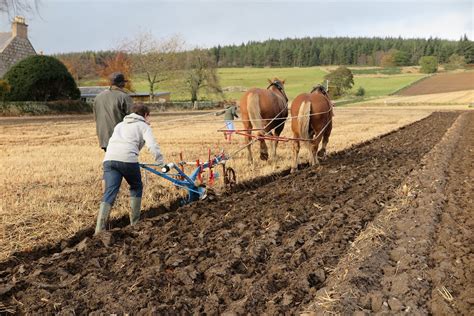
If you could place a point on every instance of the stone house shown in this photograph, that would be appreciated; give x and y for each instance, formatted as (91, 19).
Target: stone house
(14, 45)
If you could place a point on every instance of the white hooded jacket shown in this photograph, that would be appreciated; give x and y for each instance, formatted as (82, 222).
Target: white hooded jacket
(128, 139)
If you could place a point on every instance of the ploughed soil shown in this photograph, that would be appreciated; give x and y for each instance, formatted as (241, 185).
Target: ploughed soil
(439, 83)
(452, 256)
(277, 247)
(416, 256)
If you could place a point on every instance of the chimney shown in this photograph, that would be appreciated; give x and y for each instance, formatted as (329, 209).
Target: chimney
(19, 27)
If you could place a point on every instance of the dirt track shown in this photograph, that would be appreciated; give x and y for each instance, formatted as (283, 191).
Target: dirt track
(277, 247)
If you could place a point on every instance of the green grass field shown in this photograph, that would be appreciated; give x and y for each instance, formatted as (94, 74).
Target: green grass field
(298, 80)
(377, 71)
(384, 85)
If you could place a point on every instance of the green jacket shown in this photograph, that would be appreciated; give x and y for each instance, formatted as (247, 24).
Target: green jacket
(110, 107)
(229, 113)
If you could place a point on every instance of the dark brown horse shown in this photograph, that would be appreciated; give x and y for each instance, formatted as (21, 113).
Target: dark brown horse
(311, 119)
(264, 110)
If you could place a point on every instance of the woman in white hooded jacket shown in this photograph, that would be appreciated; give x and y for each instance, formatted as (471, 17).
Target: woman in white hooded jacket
(121, 161)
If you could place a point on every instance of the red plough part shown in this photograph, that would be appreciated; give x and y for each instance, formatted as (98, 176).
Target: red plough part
(228, 173)
(245, 132)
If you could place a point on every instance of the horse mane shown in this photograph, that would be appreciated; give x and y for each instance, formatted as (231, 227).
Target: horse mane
(279, 85)
(319, 88)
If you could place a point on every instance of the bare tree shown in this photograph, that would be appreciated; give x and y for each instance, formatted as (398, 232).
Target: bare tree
(79, 65)
(12, 7)
(201, 72)
(156, 59)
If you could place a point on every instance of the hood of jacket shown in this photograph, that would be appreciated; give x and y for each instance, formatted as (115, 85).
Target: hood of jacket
(133, 118)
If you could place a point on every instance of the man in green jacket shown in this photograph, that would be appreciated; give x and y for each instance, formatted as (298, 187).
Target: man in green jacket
(230, 112)
(110, 108)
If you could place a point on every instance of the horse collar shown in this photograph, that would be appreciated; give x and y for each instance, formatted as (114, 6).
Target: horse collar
(280, 88)
(319, 88)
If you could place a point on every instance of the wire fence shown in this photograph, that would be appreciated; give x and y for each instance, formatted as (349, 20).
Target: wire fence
(186, 105)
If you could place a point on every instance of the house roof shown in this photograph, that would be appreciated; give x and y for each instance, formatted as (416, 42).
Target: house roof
(5, 38)
(90, 92)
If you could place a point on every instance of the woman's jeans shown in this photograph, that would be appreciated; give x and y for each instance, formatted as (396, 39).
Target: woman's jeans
(114, 171)
(230, 125)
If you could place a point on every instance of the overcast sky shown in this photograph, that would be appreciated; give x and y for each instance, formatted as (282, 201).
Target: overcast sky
(78, 25)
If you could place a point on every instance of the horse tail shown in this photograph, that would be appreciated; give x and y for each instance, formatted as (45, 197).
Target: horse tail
(304, 119)
(255, 115)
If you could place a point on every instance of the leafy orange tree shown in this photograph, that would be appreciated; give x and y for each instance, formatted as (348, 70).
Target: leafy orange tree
(118, 63)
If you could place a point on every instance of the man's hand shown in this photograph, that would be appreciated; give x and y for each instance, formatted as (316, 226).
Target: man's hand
(160, 161)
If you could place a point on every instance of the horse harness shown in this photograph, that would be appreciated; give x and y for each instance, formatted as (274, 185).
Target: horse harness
(320, 88)
(277, 84)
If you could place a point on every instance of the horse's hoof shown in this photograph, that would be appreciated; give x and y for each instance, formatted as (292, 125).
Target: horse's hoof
(314, 164)
(264, 156)
(292, 170)
(322, 153)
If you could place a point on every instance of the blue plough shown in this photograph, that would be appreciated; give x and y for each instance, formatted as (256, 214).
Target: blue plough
(174, 172)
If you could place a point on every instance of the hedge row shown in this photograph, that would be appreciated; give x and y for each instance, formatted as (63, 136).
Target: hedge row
(44, 108)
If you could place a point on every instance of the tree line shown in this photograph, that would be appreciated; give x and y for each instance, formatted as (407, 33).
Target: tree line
(304, 52)
(316, 51)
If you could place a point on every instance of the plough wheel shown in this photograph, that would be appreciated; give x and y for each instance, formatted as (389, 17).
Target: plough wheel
(230, 180)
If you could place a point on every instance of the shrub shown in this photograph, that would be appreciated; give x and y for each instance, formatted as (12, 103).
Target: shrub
(340, 80)
(360, 92)
(69, 106)
(429, 64)
(42, 108)
(22, 108)
(40, 78)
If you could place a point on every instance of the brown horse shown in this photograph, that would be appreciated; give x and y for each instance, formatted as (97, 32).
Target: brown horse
(311, 119)
(264, 110)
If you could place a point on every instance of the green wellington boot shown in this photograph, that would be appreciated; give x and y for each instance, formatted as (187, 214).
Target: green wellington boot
(135, 204)
(103, 217)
